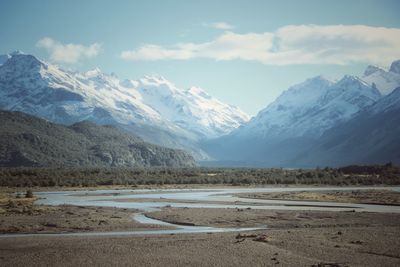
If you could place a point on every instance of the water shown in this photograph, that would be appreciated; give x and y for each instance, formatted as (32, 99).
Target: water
(148, 200)
(220, 198)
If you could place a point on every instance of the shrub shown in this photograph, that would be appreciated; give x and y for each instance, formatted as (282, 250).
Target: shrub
(29, 194)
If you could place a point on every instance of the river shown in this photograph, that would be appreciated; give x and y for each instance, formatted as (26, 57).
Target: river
(148, 200)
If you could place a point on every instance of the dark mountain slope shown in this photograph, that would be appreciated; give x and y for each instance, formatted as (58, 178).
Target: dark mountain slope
(29, 141)
(371, 137)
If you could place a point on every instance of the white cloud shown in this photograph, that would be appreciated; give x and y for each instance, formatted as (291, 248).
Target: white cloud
(293, 44)
(226, 47)
(68, 53)
(220, 25)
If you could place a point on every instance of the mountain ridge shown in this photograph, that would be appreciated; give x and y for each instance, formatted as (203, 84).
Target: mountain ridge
(183, 117)
(299, 118)
(159, 112)
(29, 141)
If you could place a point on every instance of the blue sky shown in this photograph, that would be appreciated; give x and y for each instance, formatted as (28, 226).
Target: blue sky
(242, 52)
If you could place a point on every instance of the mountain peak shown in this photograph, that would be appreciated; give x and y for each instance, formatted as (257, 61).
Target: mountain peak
(372, 69)
(17, 52)
(395, 67)
(93, 73)
(353, 83)
(198, 91)
(351, 79)
(319, 80)
(158, 83)
(129, 83)
(384, 81)
(23, 62)
(155, 78)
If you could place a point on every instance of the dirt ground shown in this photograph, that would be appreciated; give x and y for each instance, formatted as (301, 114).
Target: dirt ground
(347, 246)
(274, 218)
(20, 215)
(292, 238)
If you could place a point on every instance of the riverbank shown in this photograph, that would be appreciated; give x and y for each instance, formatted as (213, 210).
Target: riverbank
(376, 196)
(277, 219)
(21, 215)
(295, 235)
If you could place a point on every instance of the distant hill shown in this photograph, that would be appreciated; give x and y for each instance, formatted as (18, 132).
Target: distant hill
(29, 141)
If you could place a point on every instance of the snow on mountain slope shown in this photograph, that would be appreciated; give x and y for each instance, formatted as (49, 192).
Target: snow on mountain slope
(310, 108)
(32, 86)
(370, 137)
(192, 109)
(385, 81)
(387, 103)
(35, 87)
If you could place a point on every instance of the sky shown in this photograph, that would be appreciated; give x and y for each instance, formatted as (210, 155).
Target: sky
(244, 53)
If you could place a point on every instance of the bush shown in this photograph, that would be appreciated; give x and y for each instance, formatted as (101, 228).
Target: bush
(29, 194)
(356, 175)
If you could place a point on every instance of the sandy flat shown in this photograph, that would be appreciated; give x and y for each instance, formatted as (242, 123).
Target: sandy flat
(274, 218)
(293, 238)
(22, 216)
(355, 246)
(376, 196)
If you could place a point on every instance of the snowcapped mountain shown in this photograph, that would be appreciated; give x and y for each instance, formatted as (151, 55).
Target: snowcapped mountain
(310, 108)
(4, 58)
(384, 81)
(371, 137)
(386, 104)
(152, 106)
(312, 116)
(32, 86)
(293, 127)
(192, 109)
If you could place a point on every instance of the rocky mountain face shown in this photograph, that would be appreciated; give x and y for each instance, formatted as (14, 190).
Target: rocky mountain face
(384, 81)
(29, 141)
(151, 107)
(371, 137)
(310, 108)
(289, 131)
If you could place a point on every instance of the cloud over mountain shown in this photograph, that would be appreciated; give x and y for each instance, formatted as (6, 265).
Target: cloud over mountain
(292, 44)
(68, 53)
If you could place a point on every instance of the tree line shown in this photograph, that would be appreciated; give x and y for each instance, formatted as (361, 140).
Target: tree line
(87, 177)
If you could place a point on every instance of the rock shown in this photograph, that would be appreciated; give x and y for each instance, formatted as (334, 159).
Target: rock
(239, 236)
(262, 238)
